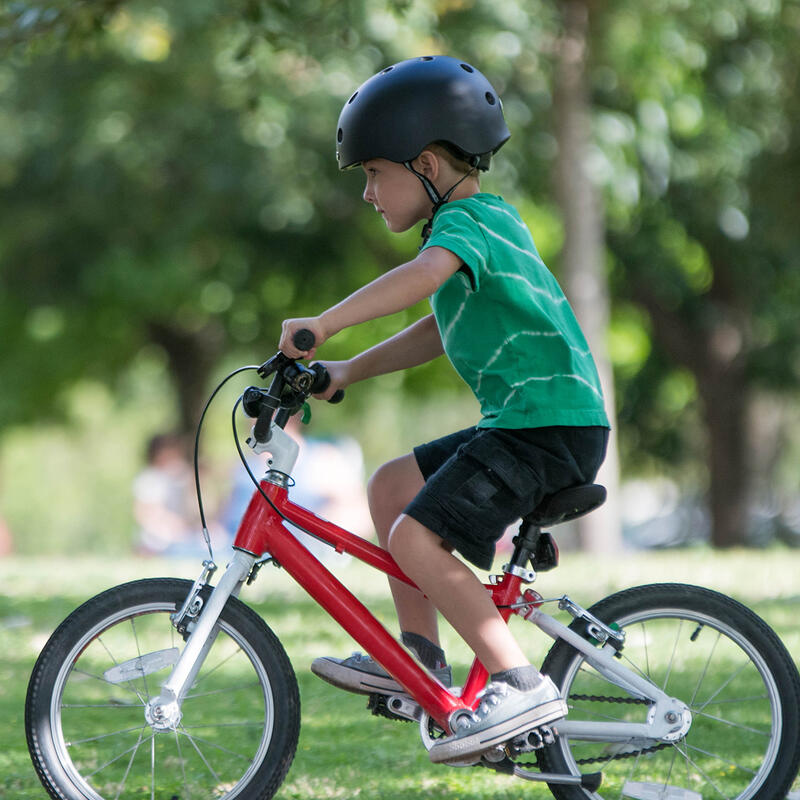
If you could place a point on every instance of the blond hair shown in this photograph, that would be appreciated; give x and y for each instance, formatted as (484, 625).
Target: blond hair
(446, 153)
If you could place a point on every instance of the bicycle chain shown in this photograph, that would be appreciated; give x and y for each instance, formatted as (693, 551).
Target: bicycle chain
(601, 699)
(378, 706)
(594, 698)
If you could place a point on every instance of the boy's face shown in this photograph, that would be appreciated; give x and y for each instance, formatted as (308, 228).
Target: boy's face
(396, 193)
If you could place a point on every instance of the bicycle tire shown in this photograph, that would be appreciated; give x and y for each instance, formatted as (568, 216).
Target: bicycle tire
(717, 656)
(86, 731)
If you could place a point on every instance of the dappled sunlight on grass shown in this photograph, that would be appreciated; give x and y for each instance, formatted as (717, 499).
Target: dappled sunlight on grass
(343, 750)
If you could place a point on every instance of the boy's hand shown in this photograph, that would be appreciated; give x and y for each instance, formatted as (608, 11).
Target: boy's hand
(290, 328)
(338, 372)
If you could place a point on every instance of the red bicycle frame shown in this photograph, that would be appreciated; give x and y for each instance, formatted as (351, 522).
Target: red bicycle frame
(262, 531)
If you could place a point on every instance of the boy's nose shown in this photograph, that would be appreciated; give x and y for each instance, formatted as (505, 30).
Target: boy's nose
(368, 196)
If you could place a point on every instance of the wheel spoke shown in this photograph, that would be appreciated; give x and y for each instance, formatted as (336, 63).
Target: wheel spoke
(80, 750)
(195, 739)
(224, 661)
(672, 656)
(75, 742)
(706, 665)
(117, 757)
(718, 757)
(193, 743)
(705, 649)
(241, 688)
(727, 682)
(116, 663)
(732, 724)
(708, 778)
(223, 725)
(139, 654)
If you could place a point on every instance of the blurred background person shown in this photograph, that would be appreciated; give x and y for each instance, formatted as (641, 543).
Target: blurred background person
(165, 505)
(328, 480)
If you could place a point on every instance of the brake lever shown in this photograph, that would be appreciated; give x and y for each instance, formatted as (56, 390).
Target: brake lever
(277, 362)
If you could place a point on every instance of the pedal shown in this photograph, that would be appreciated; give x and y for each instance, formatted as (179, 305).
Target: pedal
(394, 706)
(534, 739)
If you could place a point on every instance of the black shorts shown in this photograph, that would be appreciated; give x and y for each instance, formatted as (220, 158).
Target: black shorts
(480, 480)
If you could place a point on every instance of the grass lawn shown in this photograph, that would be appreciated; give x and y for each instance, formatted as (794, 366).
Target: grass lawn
(343, 750)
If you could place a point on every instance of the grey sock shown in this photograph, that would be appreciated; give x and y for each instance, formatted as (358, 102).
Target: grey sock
(430, 655)
(524, 679)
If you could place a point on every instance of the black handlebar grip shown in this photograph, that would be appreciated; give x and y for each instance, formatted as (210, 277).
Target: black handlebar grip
(303, 339)
(323, 381)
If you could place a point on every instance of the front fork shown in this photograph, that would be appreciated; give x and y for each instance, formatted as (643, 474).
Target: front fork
(164, 711)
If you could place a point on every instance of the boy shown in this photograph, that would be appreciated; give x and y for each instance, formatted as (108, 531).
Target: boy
(420, 130)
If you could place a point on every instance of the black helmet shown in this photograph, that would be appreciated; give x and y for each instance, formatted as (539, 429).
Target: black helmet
(405, 107)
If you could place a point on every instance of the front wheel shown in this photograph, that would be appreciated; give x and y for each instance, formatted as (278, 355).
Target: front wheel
(87, 731)
(719, 658)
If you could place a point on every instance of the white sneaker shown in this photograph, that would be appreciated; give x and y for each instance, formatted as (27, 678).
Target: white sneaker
(503, 713)
(360, 673)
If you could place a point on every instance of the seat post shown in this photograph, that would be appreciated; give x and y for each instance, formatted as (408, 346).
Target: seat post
(525, 543)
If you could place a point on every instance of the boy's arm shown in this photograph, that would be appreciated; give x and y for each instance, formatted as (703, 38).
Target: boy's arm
(419, 343)
(397, 290)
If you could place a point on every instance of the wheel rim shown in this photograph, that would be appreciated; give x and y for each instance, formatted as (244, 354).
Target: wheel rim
(731, 709)
(103, 741)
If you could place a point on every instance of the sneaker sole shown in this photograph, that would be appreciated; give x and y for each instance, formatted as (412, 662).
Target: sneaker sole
(351, 681)
(481, 741)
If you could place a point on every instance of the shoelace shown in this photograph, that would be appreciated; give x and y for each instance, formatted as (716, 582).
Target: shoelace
(359, 658)
(489, 698)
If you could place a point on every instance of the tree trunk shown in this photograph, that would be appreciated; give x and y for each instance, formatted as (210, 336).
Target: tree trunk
(725, 399)
(583, 256)
(716, 355)
(191, 356)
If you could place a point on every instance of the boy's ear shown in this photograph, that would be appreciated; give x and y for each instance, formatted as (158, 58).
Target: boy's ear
(428, 164)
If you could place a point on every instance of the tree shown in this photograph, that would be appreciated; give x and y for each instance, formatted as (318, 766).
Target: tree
(708, 96)
(583, 257)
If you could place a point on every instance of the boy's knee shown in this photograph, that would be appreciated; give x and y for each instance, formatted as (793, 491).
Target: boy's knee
(377, 486)
(394, 484)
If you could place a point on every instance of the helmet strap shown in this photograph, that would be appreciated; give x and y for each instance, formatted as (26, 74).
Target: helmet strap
(437, 199)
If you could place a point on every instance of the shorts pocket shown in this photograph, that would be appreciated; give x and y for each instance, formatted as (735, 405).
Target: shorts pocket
(492, 455)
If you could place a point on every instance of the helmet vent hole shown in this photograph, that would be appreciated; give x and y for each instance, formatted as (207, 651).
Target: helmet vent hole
(426, 58)
(467, 68)
(340, 135)
(490, 98)
(352, 98)
(388, 69)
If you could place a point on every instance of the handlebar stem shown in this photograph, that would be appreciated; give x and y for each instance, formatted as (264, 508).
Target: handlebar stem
(283, 450)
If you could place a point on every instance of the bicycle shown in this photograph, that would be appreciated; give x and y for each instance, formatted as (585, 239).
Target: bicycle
(167, 688)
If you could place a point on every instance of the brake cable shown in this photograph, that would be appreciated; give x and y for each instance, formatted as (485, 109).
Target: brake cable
(198, 490)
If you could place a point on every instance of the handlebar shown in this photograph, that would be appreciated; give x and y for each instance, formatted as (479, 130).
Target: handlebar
(291, 386)
(304, 339)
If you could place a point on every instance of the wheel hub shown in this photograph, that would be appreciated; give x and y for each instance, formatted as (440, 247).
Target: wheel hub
(162, 716)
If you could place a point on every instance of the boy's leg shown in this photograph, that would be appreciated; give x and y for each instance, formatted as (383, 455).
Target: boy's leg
(392, 487)
(457, 593)
(390, 490)
(519, 698)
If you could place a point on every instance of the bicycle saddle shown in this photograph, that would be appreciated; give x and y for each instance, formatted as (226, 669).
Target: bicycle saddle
(566, 505)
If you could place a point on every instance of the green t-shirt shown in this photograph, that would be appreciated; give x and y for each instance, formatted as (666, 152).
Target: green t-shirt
(506, 326)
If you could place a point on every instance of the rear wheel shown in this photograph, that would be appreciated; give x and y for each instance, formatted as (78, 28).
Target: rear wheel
(85, 722)
(716, 656)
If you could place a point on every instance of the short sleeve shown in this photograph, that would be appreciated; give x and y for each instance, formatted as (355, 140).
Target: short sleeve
(456, 230)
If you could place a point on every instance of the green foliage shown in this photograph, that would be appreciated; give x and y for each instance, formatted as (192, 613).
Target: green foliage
(168, 190)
